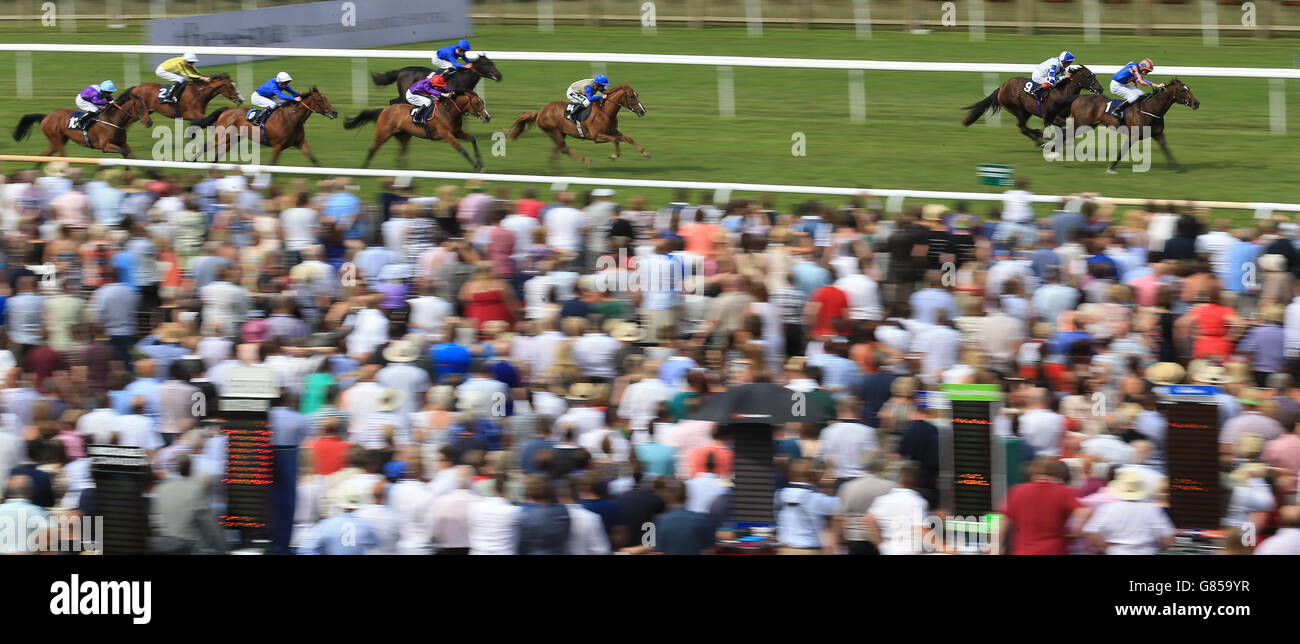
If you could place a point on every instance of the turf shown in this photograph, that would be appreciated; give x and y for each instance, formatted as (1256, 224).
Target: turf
(912, 137)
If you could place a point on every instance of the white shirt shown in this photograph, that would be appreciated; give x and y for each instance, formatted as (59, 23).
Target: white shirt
(583, 419)
(1016, 206)
(941, 345)
(619, 447)
(298, 225)
(359, 401)
(1291, 332)
(701, 490)
(1214, 244)
(1285, 542)
(863, 295)
(845, 444)
(134, 430)
(493, 527)
(586, 532)
(427, 312)
(387, 524)
(563, 228)
(641, 400)
(407, 378)
(594, 354)
(899, 513)
(98, 425)
(411, 500)
(369, 330)
(1042, 429)
(1130, 527)
(522, 226)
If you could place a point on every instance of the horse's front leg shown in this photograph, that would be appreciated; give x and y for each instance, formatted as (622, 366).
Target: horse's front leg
(1160, 138)
(451, 140)
(627, 139)
(466, 136)
(1022, 118)
(275, 153)
(306, 149)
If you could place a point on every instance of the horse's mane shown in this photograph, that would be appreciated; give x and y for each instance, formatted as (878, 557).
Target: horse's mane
(217, 77)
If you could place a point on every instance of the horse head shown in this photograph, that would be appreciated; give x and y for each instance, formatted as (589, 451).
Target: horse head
(628, 98)
(134, 108)
(226, 87)
(474, 105)
(1182, 94)
(316, 102)
(1085, 78)
(483, 66)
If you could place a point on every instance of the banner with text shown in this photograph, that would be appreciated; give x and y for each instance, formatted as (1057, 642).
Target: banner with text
(356, 24)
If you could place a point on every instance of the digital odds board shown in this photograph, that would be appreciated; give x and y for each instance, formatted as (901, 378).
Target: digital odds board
(1192, 455)
(972, 410)
(250, 452)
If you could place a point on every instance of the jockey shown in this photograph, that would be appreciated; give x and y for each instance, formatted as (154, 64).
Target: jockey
(178, 71)
(447, 60)
(424, 94)
(1131, 74)
(95, 97)
(581, 95)
(272, 94)
(1052, 71)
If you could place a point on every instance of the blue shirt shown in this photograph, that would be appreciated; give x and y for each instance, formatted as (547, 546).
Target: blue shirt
(656, 458)
(1241, 258)
(449, 358)
(800, 514)
(682, 532)
(146, 388)
(449, 54)
(808, 277)
(1130, 74)
(272, 89)
(341, 535)
(927, 302)
(528, 453)
(543, 529)
(341, 206)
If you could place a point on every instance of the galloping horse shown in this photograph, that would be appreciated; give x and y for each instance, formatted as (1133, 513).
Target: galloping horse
(193, 99)
(1148, 111)
(1012, 97)
(444, 123)
(283, 129)
(601, 124)
(464, 80)
(106, 134)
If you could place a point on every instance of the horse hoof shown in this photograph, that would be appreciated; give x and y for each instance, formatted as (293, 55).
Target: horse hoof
(646, 155)
(586, 162)
(613, 157)
(1111, 171)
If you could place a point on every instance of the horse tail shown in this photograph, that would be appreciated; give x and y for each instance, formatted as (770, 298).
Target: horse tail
(526, 119)
(361, 119)
(1061, 105)
(25, 125)
(974, 112)
(385, 78)
(211, 118)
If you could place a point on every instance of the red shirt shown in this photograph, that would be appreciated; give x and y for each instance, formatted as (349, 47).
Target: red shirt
(722, 459)
(43, 361)
(833, 303)
(528, 207)
(1039, 511)
(331, 453)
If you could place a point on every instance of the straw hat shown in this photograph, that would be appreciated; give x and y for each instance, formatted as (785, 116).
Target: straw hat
(934, 212)
(170, 332)
(354, 493)
(1272, 262)
(56, 168)
(1203, 372)
(1249, 471)
(581, 391)
(627, 332)
(795, 363)
(1129, 486)
(388, 400)
(401, 351)
(1273, 312)
(1165, 373)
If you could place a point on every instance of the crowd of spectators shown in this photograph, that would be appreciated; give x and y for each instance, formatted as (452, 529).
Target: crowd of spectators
(481, 370)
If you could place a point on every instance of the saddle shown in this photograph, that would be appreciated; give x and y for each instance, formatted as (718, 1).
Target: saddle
(80, 120)
(1116, 107)
(577, 115)
(171, 93)
(1039, 93)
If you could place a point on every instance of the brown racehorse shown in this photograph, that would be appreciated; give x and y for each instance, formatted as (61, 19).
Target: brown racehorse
(192, 104)
(1012, 97)
(1147, 112)
(601, 124)
(284, 128)
(106, 134)
(443, 123)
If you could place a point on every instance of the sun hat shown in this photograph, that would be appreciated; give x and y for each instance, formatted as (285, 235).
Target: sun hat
(388, 400)
(1165, 373)
(401, 351)
(1129, 486)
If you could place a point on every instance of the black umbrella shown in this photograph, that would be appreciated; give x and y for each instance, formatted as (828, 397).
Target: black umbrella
(761, 404)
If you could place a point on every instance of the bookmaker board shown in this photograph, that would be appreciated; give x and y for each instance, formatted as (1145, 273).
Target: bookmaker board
(250, 465)
(969, 453)
(121, 476)
(1192, 455)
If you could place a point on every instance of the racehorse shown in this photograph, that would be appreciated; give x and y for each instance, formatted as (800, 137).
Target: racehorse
(464, 80)
(600, 125)
(1012, 97)
(194, 96)
(283, 129)
(1146, 112)
(106, 134)
(444, 123)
